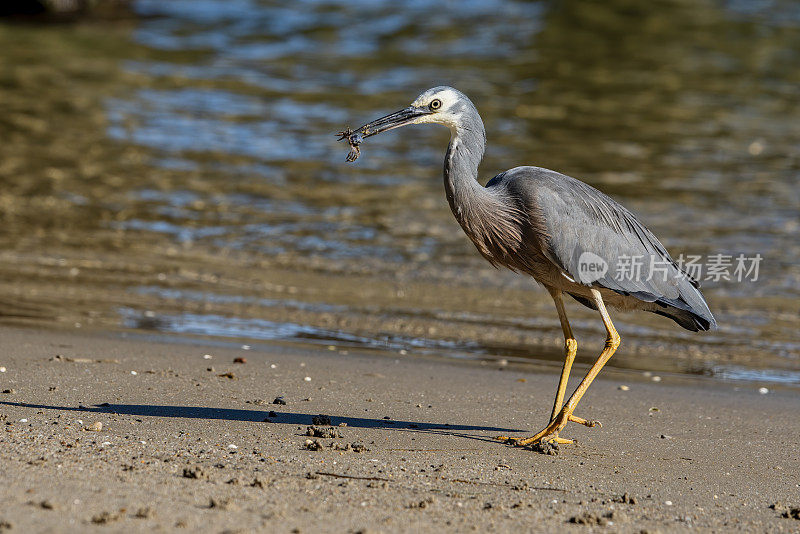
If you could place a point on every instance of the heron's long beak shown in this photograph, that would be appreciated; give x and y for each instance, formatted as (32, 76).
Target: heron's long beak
(391, 121)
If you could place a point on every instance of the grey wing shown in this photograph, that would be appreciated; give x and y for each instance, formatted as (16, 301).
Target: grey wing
(586, 230)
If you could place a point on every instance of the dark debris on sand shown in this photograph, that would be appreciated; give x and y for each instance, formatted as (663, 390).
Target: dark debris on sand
(626, 499)
(590, 518)
(321, 420)
(144, 512)
(222, 504)
(787, 512)
(195, 472)
(545, 447)
(319, 432)
(105, 518)
(424, 503)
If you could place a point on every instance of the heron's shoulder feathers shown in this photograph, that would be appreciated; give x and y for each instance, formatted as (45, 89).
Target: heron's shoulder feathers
(578, 219)
(562, 199)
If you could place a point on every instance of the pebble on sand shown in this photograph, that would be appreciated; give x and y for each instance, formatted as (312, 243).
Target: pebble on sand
(207, 356)
(313, 445)
(307, 379)
(240, 360)
(623, 388)
(95, 427)
(223, 504)
(144, 513)
(2, 369)
(195, 472)
(763, 391)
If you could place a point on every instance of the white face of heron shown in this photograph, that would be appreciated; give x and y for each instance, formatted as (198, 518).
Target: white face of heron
(442, 102)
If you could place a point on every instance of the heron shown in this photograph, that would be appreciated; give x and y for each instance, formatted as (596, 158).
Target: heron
(567, 235)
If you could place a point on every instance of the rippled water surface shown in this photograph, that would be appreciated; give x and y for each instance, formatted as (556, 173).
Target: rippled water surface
(175, 169)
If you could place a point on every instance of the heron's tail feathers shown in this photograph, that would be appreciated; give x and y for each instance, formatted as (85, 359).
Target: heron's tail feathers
(689, 309)
(688, 320)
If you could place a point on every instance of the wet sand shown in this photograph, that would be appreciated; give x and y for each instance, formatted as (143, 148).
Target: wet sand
(189, 443)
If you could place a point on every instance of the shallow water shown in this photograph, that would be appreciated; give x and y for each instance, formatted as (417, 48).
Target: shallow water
(177, 170)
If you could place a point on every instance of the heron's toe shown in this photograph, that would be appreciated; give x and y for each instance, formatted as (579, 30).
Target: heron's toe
(584, 422)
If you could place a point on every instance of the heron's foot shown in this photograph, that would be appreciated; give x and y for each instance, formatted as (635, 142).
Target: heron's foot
(550, 433)
(522, 442)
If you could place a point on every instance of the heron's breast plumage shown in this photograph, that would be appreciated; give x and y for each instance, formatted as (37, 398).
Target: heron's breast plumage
(495, 229)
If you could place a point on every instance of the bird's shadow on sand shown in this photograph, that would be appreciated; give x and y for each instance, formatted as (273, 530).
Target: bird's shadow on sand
(278, 417)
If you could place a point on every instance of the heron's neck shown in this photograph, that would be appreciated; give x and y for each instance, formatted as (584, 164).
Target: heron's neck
(467, 145)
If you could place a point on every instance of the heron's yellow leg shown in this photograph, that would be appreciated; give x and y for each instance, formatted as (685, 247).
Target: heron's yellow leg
(570, 348)
(550, 432)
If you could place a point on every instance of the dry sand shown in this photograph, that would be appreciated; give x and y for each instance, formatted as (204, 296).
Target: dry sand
(188, 443)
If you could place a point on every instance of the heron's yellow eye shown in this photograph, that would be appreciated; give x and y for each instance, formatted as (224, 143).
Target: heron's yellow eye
(435, 104)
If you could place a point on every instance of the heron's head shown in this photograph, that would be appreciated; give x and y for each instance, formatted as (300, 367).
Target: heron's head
(438, 105)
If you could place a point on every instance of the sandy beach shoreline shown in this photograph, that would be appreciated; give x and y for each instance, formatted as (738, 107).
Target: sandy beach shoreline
(108, 434)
